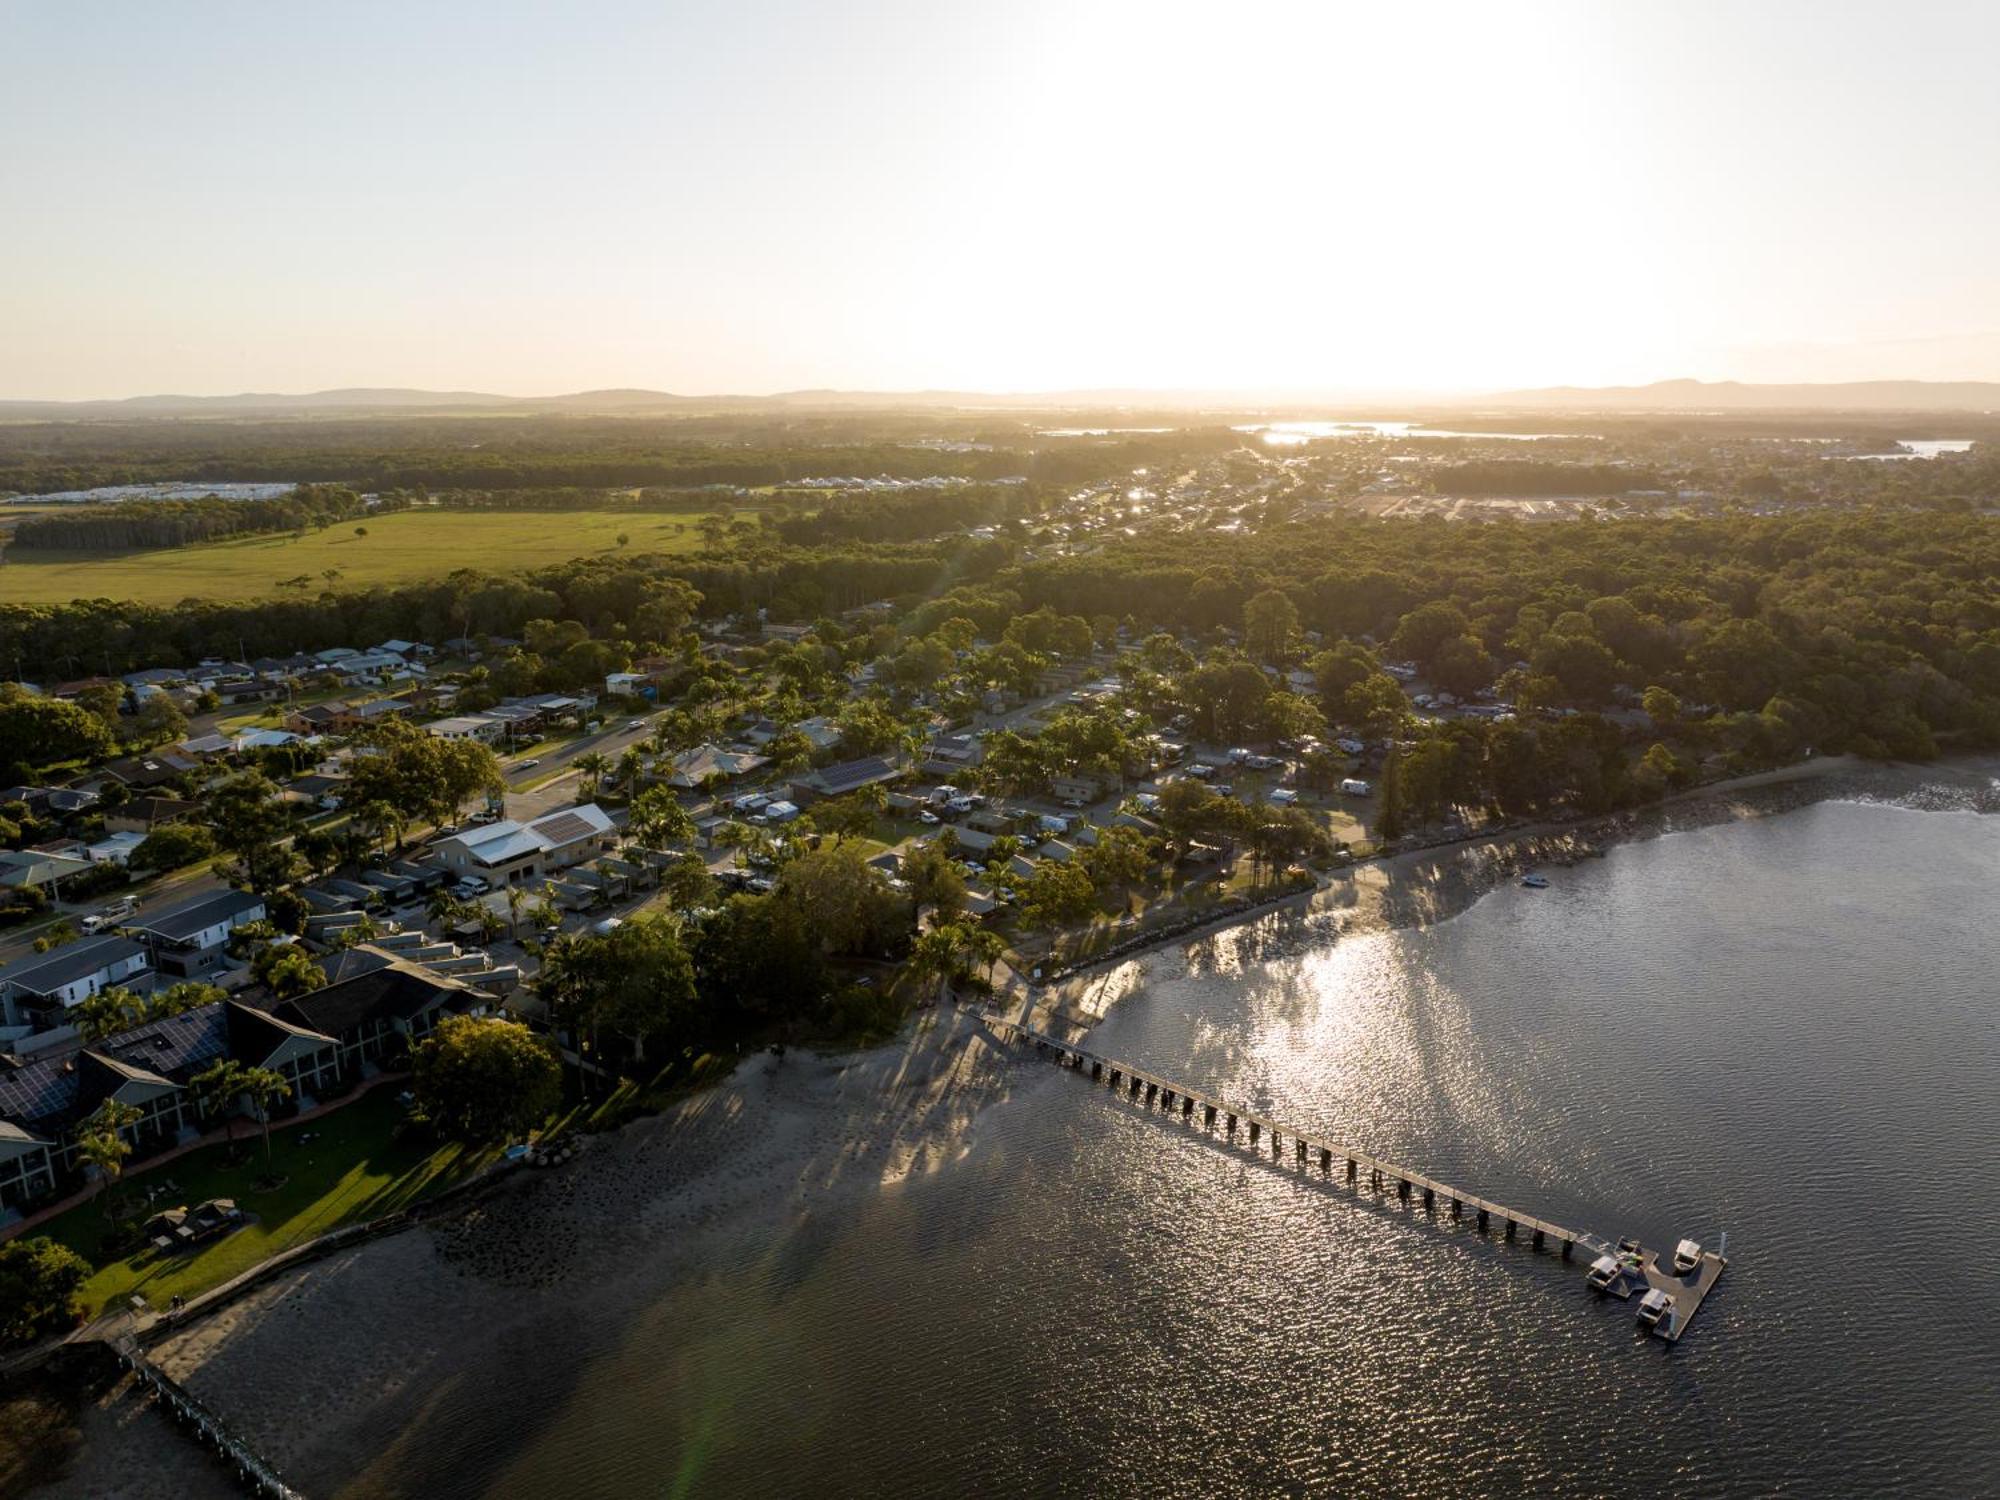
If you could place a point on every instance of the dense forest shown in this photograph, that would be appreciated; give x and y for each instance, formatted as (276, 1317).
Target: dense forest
(138, 524)
(551, 453)
(1878, 629)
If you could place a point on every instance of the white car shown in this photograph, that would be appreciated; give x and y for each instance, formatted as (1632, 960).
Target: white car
(926, 816)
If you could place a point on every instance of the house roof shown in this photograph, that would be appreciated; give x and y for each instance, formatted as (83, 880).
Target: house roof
(496, 843)
(569, 825)
(182, 921)
(19, 867)
(851, 774)
(691, 767)
(53, 1091)
(255, 1035)
(154, 809)
(46, 973)
(393, 990)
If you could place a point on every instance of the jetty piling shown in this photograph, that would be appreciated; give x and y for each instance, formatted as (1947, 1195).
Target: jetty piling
(1687, 1296)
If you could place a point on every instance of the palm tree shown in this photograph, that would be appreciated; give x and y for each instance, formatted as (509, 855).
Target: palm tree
(630, 764)
(101, 1143)
(217, 1087)
(109, 1012)
(735, 836)
(939, 953)
(988, 947)
(265, 1087)
(515, 896)
(593, 763)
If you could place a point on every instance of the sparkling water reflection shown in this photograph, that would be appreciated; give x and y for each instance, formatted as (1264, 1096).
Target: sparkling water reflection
(1785, 1028)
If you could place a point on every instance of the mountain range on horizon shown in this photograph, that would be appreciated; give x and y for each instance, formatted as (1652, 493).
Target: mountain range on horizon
(1684, 395)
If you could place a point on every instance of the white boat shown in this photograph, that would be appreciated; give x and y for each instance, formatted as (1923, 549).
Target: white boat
(1603, 1273)
(1535, 882)
(1687, 1257)
(1653, 1307)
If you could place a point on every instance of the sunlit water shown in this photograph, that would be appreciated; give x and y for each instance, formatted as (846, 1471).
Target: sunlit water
(1785, 1029)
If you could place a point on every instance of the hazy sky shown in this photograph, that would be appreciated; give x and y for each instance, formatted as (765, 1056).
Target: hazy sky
(753, 195)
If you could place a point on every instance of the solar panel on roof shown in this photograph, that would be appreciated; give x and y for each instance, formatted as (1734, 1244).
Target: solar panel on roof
(563, 828)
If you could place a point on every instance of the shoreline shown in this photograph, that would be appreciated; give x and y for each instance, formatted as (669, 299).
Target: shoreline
(1418, 887)
(552, 1266)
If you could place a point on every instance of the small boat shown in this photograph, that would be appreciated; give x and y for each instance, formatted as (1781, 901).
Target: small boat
(1653, 1307)
(1687, 1257)
(1603, 1273)
(1535, 882)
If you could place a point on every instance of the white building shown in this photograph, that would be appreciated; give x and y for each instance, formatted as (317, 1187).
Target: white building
(68, 975)
(510, 853)
(186, 939)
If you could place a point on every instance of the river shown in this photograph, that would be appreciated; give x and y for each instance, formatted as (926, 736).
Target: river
(1785, 1028)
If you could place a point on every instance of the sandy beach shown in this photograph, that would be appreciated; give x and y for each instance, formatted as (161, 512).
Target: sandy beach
(331, 1367)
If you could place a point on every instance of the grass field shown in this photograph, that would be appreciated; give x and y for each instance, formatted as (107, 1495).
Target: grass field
(354, 1167)
(399, 548)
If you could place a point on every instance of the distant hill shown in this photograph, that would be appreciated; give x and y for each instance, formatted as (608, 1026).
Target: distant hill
(1662, 396)
(1736, 395)
(359, 400)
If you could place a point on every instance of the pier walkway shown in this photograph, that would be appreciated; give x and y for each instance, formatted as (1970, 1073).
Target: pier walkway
(1307, 1146)
(253, 1473)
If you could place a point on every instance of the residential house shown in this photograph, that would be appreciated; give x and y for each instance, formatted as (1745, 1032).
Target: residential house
(143, 814)
(35, 868)
(511, 853)
(355, 716)
(150, 1068)
(65, 800)
(627, 684)
(186, 940)
(206, 747)
(1076, 789)
(482, 727)
(264, 739)
(37, 990)
(114, 848)
(848, 776)
(694, 768)
(377, 1004)
(144, 772)
(314, 718)
(948, 754)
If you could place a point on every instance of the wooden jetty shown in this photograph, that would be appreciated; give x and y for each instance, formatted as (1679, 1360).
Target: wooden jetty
(257, 1476)
(1176, 1100)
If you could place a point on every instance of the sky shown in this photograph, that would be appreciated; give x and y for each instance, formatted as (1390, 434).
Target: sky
(746, 196)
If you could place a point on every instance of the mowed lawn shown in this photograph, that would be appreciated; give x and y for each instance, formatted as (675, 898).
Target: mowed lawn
(400, 548)
(356, 1165)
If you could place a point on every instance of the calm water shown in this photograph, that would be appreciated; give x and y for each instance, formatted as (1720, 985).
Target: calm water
(1787, 1029)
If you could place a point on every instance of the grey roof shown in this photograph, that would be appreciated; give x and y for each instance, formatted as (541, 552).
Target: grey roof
(47, 972)
(178, 923)
(854, 773)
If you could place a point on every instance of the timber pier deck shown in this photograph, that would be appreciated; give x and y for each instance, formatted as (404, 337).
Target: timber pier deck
(256, 1475)
(1176, 1100)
